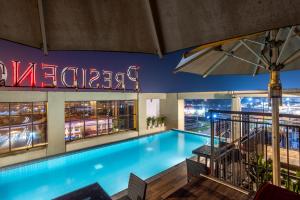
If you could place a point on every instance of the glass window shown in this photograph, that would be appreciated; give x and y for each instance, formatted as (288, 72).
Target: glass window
(4, 140)
(92, 118)
(22, 125)
(21, 136)
(4, 114)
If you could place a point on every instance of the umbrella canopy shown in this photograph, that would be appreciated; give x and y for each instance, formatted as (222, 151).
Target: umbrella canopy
(148, 26)
(270, 51)
(243, 55)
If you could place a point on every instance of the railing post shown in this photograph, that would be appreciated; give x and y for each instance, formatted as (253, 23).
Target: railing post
(212, 128)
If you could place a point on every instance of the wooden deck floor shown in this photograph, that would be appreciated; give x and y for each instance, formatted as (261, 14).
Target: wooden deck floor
(207, 189)
(172, 185)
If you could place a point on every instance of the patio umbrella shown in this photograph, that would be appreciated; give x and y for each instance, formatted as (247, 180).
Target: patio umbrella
(265, 52)
(147, 26)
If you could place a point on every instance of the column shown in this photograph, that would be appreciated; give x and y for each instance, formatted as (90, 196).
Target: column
(180, 103)
(235, 126)
(142, 125)
(56, 123)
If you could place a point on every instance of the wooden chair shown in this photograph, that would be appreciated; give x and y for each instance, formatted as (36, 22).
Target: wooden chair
(136, 188)
(194, 169)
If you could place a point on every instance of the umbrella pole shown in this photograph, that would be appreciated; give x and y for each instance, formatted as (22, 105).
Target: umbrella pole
(275, 95)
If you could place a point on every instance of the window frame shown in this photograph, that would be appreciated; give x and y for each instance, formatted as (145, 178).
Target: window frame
(112, 109)
(32, 124)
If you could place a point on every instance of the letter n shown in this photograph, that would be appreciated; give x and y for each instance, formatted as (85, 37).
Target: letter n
(29, 72)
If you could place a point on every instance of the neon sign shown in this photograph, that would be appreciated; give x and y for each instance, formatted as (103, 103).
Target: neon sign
(68, 77)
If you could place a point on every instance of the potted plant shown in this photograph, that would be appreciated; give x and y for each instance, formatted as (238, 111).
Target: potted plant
(153, 121)
(260, 170)
(296, 183)
(115, 126)
(163, 120)
(148, 122)
(158, 122)
(291, 183)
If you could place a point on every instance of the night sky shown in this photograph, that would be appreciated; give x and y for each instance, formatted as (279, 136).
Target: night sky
(156, 75)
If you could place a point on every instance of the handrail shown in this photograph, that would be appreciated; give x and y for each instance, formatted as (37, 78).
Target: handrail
(252, 113)
(249, 134)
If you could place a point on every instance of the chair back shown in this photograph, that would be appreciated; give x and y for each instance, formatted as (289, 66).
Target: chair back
(194, 169)
(136, 188)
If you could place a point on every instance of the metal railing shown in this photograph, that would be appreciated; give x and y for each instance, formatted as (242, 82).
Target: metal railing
(242, 148)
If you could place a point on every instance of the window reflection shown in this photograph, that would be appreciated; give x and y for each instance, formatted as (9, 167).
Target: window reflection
(196, 116)
(4, 140)
(22, 125)
(91, 118)
(290, 105)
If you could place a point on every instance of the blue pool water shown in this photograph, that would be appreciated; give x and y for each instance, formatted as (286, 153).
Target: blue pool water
(108, 165)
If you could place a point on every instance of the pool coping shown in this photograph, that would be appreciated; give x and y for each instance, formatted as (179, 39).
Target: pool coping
(37, 160)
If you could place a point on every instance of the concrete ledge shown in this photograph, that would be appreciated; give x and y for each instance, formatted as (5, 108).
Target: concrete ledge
(153, 130)
(95, 141)
(20, 157)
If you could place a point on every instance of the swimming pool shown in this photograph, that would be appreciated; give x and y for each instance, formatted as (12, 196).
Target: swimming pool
(108, 165)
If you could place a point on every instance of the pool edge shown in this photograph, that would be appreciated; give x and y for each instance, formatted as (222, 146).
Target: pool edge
(37, 160)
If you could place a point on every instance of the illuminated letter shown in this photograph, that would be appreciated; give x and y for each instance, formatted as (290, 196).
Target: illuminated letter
(133, 75)
(3, 74)
(52, 75)
(107, 78)
(63, 77)
(83, 78)
(30, 71)
(120, 80)
(94, 78)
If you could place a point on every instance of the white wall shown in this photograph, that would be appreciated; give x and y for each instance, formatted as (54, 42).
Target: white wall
(152, 107)
(142, 110)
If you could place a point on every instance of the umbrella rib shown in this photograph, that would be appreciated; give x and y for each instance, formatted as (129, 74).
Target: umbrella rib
(220, 61)
(254, 53)
(215, 66)
(154, 29)
(201, 53)
(261, 49)
(256, 70)
(278, 34)
(285, 44)
(42, 26)
(244, 60)
(255, 42)
(292, 57)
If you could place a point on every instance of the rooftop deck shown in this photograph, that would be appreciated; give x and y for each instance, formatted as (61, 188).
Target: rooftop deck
(172, 184)
(205, 188)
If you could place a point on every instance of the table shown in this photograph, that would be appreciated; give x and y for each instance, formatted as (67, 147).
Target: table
(90, 192)
(203, 151)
